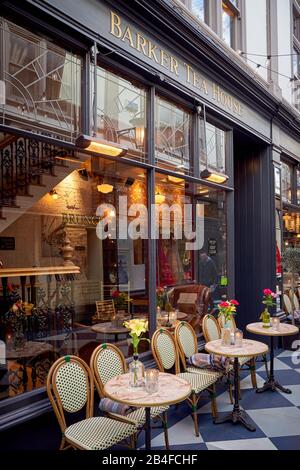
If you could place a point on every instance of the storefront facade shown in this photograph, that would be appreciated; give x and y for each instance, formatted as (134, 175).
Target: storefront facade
(175, 107)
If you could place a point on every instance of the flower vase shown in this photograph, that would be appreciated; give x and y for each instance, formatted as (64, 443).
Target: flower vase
(266, 318)
(136, 371)
(226, 335)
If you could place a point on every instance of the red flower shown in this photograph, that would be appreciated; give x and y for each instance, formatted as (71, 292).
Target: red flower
(268, 292)
(234, 302)
(224, 305)
(115, 294)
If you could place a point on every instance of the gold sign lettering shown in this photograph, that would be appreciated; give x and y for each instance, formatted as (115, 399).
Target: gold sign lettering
(160, 56)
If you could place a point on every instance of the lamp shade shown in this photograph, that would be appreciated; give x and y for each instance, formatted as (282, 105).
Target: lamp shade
(159, 198)
(103, 147)
(105, 188)
(213, 176)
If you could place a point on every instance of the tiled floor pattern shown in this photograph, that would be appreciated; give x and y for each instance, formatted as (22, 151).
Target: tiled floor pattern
(276, 415)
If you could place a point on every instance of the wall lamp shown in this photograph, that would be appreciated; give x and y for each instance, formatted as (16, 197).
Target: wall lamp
(103, 147)
(53, 194)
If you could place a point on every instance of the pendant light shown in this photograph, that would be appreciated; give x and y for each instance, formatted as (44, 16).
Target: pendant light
(206, 174)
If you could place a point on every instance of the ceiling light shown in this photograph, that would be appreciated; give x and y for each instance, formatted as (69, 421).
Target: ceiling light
(105, 188)
(103, 147)
(213, 176)
(159, 198)
(53, 194)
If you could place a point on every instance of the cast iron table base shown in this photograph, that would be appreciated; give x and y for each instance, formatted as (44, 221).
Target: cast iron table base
(271, 383)
(237, 415)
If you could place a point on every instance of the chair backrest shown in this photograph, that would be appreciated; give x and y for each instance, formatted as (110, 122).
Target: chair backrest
(231, 323)
(186, 341)
(105, 310)
(210, 328)
(70, 387)
(107, 361)
(287, 304)
(295, 302)
(164, 350)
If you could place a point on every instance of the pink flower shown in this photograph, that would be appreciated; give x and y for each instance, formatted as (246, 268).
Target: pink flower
(268, 292)
(274, 295)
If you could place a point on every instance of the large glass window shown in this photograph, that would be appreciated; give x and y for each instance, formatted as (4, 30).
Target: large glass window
(173, 129)
(42, 84)
(121, 112)
(177, 262)
(64, 281)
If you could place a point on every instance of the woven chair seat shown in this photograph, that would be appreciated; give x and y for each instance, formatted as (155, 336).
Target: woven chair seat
(198, 370)
(200, 381)
(98, 433)
(139, 415)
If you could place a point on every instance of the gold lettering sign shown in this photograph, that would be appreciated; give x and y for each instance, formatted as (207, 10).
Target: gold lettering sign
(160, 56)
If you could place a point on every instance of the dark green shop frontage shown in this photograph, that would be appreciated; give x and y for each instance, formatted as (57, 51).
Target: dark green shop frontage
(174, 110)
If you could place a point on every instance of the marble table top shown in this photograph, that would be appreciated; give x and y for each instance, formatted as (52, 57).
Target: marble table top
(108, 327)
(171, 389)
(249, 348)
(284, 329)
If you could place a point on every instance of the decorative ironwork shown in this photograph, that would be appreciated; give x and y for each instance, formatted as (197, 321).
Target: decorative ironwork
(22, 163)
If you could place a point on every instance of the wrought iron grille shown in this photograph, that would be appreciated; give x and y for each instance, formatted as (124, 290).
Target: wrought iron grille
(23, 161)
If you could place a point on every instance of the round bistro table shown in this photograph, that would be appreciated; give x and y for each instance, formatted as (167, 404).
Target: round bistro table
(171, 390)
(109, 329)
(284, 330)
(249, 348)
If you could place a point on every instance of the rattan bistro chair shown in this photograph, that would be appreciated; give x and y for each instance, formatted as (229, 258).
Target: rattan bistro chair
(186, 340)
(70, 388)
(107, 361)
(166, 357)
(212, 331)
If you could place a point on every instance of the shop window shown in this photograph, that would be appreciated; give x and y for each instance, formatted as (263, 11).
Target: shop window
(286, 182)
(121, 112)
(212, 148)
(50, 310)
(173, 127)
(197, 8)
(296, 20)
(42, 84)
(178, 263)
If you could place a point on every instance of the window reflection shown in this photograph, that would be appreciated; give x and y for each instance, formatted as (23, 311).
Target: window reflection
(172, 136)
(121, 112)
(196, 7)
(43, 84)
(176, 262)
(227, 24)
(286, 182)
(214, 144)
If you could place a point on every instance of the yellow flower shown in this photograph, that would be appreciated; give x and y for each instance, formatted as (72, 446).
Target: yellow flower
(136, 326)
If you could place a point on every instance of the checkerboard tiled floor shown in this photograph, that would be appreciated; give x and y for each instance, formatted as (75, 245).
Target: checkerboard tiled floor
(276, 416)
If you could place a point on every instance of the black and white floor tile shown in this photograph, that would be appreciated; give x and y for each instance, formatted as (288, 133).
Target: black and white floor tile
(276, 416)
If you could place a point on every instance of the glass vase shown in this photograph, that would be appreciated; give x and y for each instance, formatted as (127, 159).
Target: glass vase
(136, 372)
(226, 336)
(266, 319)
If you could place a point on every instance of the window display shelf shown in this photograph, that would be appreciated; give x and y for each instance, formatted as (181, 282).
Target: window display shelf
(39, 271)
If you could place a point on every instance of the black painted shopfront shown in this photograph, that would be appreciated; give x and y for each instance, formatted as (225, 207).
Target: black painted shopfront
(122, 72)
